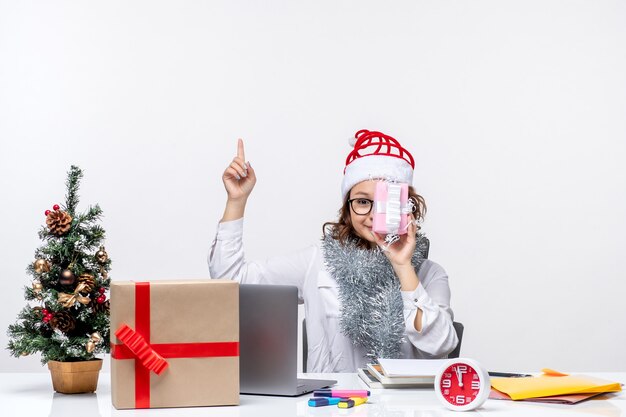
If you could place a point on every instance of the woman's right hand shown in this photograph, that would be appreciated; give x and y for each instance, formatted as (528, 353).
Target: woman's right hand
(239, 178)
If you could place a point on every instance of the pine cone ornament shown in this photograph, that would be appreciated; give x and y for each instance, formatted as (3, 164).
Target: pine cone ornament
(88, 281)
(59, 222)
(63, 321)
(100, 308)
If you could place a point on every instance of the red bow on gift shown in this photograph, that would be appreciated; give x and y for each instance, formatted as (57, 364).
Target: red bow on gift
(141, 349)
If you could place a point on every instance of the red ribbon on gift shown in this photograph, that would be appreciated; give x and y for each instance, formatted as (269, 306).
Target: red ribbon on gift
(150, 357)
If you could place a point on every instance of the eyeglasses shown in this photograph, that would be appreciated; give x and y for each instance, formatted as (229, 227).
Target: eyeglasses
(361, 206)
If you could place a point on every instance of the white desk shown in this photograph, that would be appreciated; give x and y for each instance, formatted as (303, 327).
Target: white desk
(23, 394)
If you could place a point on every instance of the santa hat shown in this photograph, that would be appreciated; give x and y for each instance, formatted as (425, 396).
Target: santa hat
(376, 156)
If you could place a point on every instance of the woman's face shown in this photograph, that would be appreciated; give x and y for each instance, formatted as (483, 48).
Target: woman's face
(362, 224)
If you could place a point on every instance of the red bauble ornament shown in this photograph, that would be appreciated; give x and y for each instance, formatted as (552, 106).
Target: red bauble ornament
(102, 290)
(101, 299)
(47, 212)
(47, 318)
(45, 312)
(56, 207)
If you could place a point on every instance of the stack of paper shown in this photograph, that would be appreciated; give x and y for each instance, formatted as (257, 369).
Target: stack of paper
(370, 380)
(401, 373)
(551, 388)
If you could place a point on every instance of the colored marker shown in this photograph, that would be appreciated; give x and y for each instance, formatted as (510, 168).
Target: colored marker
(351, 402)
(341, 393)
(323, 401)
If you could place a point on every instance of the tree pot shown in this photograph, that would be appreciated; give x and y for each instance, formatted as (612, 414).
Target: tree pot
(75, 377)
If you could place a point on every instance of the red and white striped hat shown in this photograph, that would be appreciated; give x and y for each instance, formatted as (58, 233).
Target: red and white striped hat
(376, 156)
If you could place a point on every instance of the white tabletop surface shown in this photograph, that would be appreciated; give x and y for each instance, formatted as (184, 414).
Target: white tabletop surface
(30, 394)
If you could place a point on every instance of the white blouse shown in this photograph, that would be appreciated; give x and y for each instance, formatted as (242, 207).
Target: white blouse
(328, 349)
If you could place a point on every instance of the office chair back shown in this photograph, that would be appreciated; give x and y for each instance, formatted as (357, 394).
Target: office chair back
(458, 328)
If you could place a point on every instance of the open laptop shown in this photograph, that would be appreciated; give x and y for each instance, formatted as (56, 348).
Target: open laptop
(268, 342)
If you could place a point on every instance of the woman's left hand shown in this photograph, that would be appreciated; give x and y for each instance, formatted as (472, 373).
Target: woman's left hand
(400, 252)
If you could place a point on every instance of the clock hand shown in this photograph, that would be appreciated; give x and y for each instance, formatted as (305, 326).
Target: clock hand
(458, 377)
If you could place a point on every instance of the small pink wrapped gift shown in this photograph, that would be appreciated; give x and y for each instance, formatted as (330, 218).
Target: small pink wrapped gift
(391, 208)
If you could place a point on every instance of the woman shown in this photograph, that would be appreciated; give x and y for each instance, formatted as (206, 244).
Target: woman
(363, 298)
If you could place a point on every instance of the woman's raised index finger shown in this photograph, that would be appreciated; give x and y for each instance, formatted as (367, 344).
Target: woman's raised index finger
(240, 152)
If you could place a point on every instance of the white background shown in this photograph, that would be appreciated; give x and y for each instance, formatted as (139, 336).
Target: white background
(514, 110)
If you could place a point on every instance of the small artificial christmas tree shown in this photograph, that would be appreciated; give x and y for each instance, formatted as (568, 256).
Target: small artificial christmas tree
(70, 322)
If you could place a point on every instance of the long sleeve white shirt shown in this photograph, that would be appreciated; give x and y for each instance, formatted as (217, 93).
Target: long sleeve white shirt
(328, 349)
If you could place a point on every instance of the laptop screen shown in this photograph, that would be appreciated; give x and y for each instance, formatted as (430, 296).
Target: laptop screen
(268, 338)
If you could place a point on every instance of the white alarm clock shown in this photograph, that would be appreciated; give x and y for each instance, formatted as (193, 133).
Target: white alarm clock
(462, 384)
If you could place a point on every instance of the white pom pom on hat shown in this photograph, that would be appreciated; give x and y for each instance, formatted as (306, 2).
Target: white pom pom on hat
(376, 155)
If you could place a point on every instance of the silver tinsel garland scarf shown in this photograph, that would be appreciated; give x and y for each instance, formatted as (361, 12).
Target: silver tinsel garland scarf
(369, 291)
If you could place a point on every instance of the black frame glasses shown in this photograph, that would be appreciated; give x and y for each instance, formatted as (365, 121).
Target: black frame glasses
(352, 200)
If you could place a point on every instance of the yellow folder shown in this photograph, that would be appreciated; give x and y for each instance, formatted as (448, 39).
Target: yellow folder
(545, 386)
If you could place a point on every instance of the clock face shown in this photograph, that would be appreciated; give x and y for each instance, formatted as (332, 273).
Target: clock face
(462, 385)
